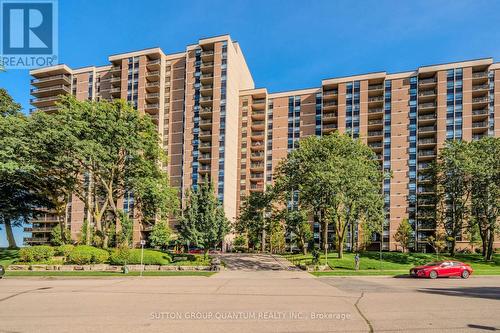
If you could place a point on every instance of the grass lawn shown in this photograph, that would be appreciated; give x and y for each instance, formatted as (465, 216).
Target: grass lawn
(393, 263)
(104, 274)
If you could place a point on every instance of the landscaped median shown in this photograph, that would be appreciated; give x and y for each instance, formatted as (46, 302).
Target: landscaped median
(392, 263)
(68, 260)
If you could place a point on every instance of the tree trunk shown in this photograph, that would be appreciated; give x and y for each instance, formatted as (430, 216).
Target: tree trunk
(89, 211)
(10, 235)
(453, 247)
(340, 248)
(263, 241)
(489, 250)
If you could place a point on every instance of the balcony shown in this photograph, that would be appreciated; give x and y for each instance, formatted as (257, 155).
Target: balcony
(329, 128)
(428, 81)
(205, 135)
(427, 106)
(151, 107)
(258, 115)
(204, 123)
(205, 146)
(480, 112)
(480, 75)
(375, 122)
(372, 87)
(257, 145)
(205, 157)
(375, 99)
(424, 129)
(258, 125)
(480, 124)
(375, 110)
(256, 187)
(427, 142)
(330, 105)
(152, 96)
(207, 77)
(51, 80)
(44, 101)
(206, 113)
(207, 65)
(330, 94)
(153, 86)
(36, 240)
(481, 87)
(256, 176)
(424, 93)
(115, 69)
(375, 133)
(257, 166)
(52, 90)
(426, 154)
(207, 55)
(258, 135)
(480, 100)
(154, 64)
(153, 76)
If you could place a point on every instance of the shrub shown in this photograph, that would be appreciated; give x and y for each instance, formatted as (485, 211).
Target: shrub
(120, 256)
(84, 254)
(36, 253)
(64, 250)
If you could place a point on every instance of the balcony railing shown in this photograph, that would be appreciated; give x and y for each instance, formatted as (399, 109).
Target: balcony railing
(329, 126)
(206, 98)
(480, 87)
(52, 88)
(426, 141)
(376, 87)
(259, 101)
(426, 153)
(375, 133)
(327, 104)
(427, 116)
(479, 74)
(480, 124)
(375, 122)
(427, 93)
(375, 145)
(376, 99)
(375, 110)
(152, 106)
(429, 80)
(427, 129)
(153, 84)
(480, 112)
(50, 78)
(330, 92)
(427, 105)
(207, 76)
(480, 100)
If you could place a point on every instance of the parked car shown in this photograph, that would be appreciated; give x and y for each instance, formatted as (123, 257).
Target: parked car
(2, 271)
(442, 269)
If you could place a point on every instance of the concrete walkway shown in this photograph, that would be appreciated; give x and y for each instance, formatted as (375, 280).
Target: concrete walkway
(256, 262)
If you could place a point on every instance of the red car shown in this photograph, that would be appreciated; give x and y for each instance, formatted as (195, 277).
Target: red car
(442, 269)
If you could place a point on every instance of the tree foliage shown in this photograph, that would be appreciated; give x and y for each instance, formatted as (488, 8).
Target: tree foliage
(160, 235)
(204, 222)
(403, 234)
(255, 218)
(338, 179)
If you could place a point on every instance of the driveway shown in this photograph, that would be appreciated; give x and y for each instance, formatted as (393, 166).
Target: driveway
(255, 262)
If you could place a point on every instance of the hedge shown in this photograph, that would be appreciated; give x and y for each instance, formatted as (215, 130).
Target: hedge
(84, 254)
(64, 250)
(133, 257)
(36, 253)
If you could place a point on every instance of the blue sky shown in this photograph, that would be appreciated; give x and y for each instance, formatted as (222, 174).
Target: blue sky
(287, 44)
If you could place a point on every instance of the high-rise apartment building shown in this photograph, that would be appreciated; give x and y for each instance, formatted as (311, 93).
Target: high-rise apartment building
(214, 122)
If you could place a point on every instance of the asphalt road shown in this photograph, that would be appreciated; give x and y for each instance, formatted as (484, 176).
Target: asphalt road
(245, 300)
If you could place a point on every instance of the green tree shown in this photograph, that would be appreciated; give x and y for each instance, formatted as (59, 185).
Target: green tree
(298, 228)
(160, 235)
(277, 240)
(403, 234)
(485, 179)
(338, 179)
(105, 151)
(57, 238)
(254, 219)
(21, 188)
(453, 180)
(204, 223)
